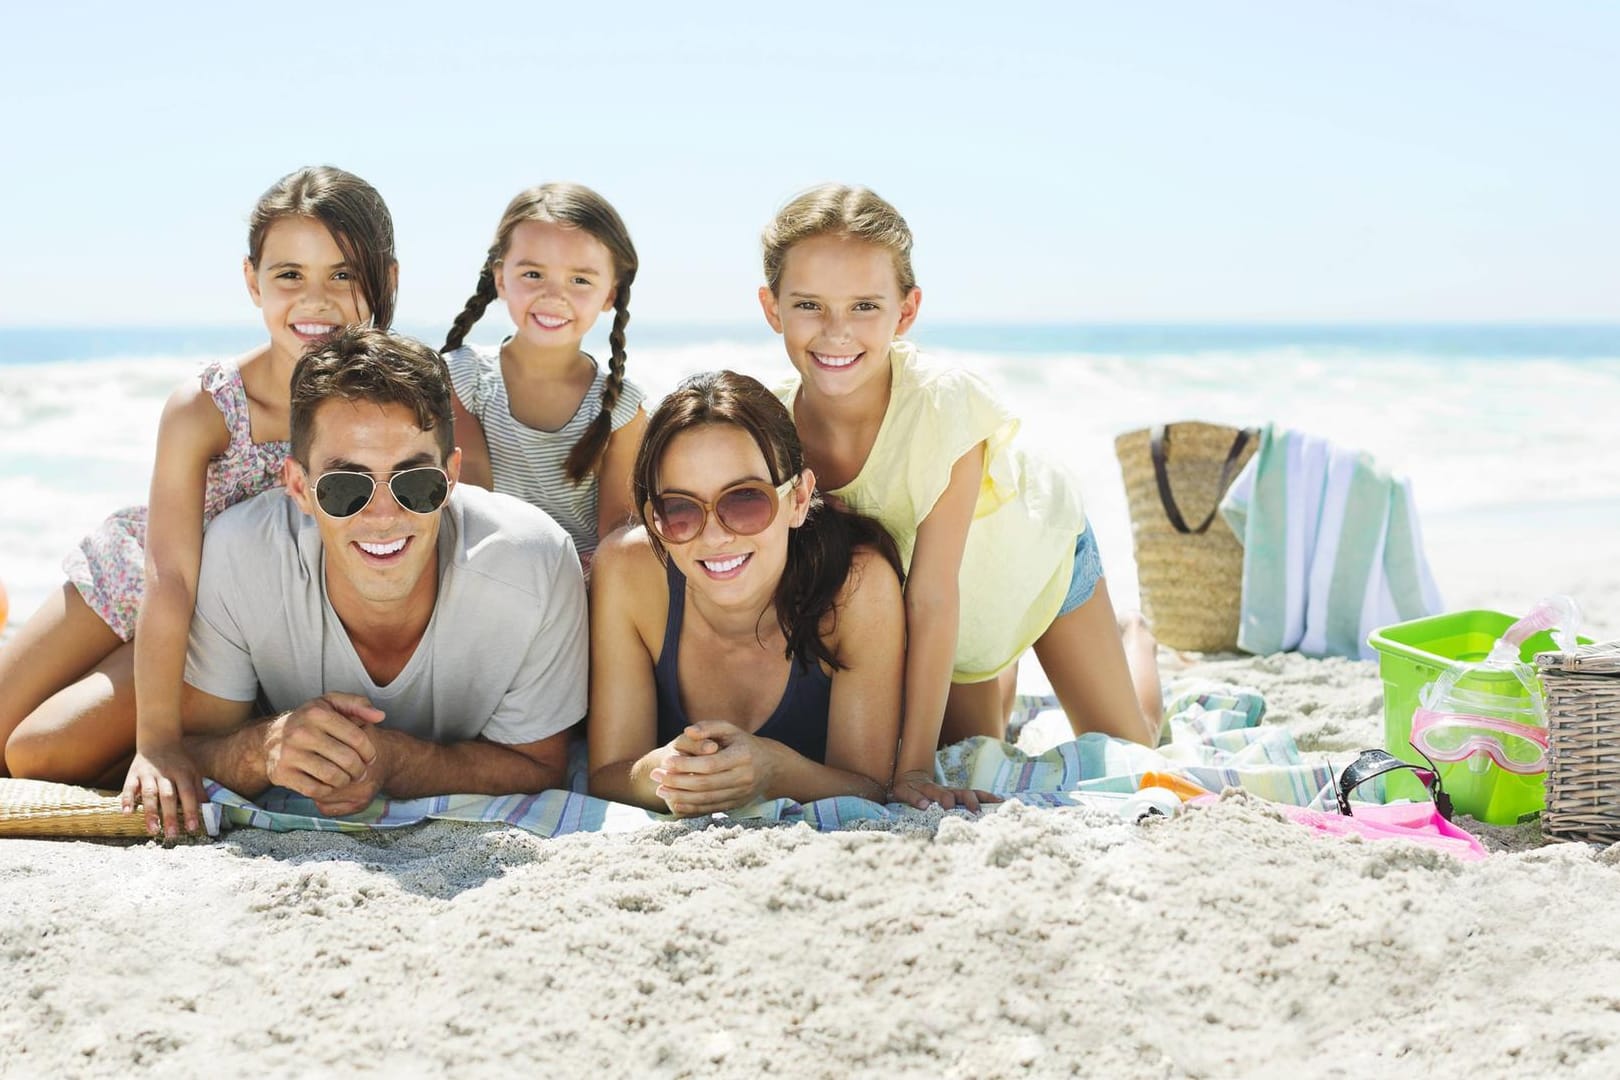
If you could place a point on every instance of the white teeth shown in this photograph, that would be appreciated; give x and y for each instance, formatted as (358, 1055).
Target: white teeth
(381, 549)
(313, 329)
(835, 361)
(550, 322)
(721, 566)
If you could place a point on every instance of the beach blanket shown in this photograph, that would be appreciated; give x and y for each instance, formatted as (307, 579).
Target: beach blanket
(1216, 741)
(1331, 548)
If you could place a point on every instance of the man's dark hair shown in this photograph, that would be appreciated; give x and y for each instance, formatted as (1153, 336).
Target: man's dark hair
(359, 363)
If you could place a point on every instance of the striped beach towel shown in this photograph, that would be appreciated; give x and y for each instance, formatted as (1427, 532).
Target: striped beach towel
(1216, 741)
(1331, 548)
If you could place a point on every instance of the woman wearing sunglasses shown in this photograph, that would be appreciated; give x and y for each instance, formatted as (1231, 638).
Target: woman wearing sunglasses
(747, 640)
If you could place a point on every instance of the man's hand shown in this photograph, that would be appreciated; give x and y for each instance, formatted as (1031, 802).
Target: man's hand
(323, 748)
(166, 781)
(356, 795)
(917, 788)
(351, 798)
(712, 766)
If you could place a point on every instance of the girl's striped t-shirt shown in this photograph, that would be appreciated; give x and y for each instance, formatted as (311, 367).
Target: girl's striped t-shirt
(528, 462)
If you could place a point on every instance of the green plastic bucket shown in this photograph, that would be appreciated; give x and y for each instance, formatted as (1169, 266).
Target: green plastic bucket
(1413, 654)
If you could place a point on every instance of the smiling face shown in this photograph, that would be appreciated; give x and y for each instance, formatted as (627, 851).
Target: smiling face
(384, 558)
(733, 571)
(555, 280)
(304, 286)
(838, 306)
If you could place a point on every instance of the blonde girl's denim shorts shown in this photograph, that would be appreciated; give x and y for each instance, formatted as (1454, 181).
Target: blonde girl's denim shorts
(1087, 572)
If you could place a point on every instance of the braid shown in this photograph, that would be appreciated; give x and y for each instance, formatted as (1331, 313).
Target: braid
(615, 381)
(586, 456)
(482, 297)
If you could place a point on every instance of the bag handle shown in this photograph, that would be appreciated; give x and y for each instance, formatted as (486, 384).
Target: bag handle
(1160, 446)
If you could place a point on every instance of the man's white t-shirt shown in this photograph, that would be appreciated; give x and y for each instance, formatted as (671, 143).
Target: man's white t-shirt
(505, 655)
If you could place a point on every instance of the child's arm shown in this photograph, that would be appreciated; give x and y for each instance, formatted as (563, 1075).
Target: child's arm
(190, 433)
(615, 507)
(474, 447)
(933, 605)
(863, 717)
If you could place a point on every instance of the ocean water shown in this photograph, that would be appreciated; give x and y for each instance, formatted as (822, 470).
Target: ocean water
(1498, 427)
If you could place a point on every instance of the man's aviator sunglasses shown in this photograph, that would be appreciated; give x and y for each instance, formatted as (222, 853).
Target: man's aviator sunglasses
(744, 509)
(342, 494)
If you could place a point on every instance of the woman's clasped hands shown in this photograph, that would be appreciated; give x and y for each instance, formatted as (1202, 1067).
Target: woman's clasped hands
(713, 766)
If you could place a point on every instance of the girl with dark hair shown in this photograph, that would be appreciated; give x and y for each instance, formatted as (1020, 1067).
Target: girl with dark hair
(96, 672)
(747, 639)
(537, 417)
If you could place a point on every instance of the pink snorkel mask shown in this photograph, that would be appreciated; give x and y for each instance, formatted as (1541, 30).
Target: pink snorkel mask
(1493, 710)
(1458, 736)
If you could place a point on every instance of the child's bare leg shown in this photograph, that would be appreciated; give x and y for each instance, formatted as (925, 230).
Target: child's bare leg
(84, 732)
(1009, 696)
(58, 644)
(1142, 656)
(1084, 658)
(973, 709)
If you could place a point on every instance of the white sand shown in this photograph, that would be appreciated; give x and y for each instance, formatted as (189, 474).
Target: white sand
(1224, 943)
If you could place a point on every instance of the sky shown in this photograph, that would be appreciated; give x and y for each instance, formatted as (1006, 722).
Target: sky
(1183, 160)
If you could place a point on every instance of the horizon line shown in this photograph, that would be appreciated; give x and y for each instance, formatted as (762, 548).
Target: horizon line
(1569, 322)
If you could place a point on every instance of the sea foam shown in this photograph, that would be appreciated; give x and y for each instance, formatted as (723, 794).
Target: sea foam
(1488, 438)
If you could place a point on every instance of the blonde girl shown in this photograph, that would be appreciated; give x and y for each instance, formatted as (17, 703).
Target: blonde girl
(999, 557)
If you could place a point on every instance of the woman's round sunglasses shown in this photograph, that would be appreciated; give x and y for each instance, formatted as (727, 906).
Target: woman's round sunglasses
(744, 509)
(421, 490)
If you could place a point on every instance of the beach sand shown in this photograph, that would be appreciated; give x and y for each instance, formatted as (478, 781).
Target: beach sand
(1227, 942)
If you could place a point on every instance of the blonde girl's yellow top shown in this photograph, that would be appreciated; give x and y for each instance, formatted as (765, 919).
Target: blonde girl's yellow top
(1020, 546)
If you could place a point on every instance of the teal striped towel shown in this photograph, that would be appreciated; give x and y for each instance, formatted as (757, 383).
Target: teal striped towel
(1215, 741)
(1331, 548)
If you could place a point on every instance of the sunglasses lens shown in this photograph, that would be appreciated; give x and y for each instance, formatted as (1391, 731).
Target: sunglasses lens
(746, 510)
(677, 518)
(421, 491)
(343, 495)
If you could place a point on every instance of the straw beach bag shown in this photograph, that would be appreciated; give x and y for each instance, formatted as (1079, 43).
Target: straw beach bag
(1188, 563)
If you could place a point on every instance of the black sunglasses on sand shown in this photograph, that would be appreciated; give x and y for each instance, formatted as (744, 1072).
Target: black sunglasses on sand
(421, 490)
(1371, 763)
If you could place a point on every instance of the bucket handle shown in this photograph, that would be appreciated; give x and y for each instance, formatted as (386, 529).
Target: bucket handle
(1160, 446)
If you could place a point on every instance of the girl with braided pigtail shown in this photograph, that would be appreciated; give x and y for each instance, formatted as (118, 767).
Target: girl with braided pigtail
(537, 417)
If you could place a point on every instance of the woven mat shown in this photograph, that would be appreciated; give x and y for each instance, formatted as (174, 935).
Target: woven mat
(40, 809)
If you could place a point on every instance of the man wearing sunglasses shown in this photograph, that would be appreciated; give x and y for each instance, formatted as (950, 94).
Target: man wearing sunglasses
(376, 629)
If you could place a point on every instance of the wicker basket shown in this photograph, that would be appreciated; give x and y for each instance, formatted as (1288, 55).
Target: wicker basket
(1583, 743)
(1189, 566)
